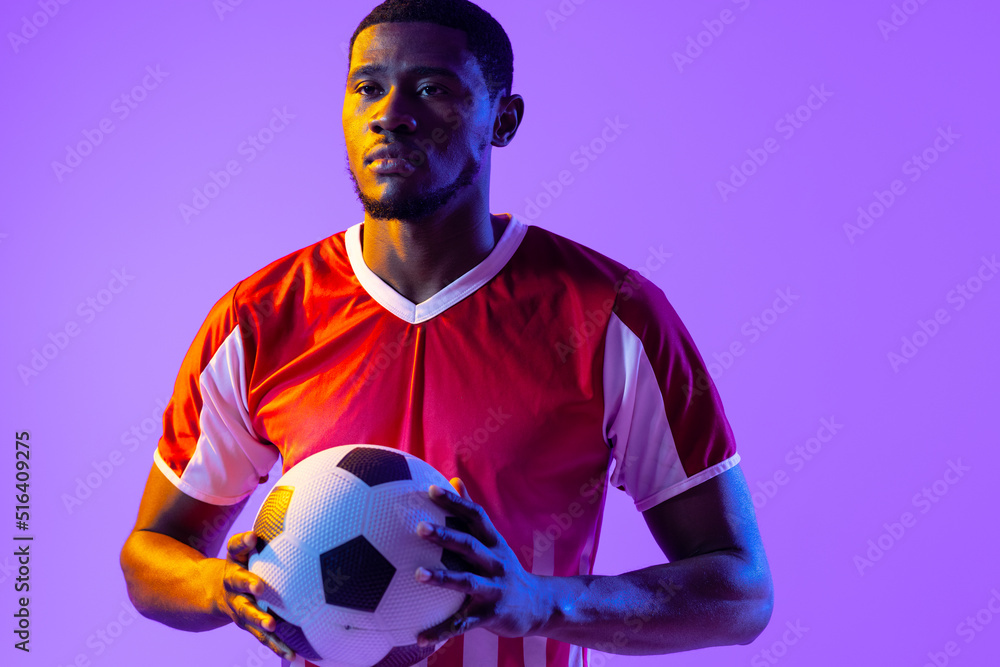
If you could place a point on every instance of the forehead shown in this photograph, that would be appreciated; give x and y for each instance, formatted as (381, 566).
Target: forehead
(407, 45)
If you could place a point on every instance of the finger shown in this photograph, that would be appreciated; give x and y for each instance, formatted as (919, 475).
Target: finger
(260, 624)
(238, 579)
(241, 545)
(479, 523)
(273, 642)
(464, 582)
(459, 623)
(248, 614)
(460, 488)
(465, 545)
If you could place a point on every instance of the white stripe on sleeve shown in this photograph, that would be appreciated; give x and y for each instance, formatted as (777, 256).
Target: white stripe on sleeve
(229, 459)
(646, 462)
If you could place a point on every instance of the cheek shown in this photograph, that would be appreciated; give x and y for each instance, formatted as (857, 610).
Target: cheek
(454, 119)
(347, 117)
(354, 143)
(353, 124)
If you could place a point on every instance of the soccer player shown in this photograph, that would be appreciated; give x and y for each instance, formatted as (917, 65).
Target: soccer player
(534, 372)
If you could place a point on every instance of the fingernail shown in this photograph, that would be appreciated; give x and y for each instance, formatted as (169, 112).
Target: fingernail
(436, 491)
(423, 574)
(424, 528)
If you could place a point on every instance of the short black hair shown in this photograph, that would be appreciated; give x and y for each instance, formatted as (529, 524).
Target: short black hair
(485, 37)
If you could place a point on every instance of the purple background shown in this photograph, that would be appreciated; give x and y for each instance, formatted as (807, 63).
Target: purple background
(655, 187)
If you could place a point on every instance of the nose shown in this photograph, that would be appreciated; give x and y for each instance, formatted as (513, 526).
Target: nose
(392, 114)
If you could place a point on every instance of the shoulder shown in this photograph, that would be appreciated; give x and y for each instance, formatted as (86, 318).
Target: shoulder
(638, 302)
(641, 304)
(295, 273)
(570, 261)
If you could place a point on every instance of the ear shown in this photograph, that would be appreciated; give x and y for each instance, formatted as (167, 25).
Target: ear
(508, 119)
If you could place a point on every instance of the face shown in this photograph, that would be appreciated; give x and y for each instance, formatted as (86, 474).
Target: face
(415, 89)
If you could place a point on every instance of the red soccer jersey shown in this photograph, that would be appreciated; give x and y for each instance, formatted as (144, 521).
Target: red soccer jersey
(530, 377)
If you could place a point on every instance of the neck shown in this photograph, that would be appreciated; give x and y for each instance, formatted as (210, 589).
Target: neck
(419, 258)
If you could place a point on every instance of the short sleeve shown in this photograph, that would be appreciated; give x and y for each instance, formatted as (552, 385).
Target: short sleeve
(209, 449)
(663, 416)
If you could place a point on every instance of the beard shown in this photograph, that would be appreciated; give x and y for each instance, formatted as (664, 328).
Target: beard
(409, 207)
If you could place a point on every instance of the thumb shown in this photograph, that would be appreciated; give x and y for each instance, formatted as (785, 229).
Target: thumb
(241, 545)
(460, 487)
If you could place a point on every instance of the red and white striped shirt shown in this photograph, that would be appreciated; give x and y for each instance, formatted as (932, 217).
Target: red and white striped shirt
(530, 377)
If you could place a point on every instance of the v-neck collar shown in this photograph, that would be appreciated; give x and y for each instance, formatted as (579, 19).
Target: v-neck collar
(450, 294)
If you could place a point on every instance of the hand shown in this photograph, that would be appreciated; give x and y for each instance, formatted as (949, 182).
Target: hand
(501, 596)
(239, 588)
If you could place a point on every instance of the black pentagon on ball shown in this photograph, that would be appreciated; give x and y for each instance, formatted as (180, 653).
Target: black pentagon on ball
(271, 517)
(355, 575)
(293, 637)
(404, 656)
(375, 466)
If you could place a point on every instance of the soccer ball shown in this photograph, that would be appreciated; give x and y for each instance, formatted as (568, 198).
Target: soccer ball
(337, 547)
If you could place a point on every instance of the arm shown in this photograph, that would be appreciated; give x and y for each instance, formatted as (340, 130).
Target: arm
(171, 581)
(715, 591)
(664, 420)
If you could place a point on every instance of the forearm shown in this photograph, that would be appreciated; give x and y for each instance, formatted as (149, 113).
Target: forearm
(171, 582)
(714, 599)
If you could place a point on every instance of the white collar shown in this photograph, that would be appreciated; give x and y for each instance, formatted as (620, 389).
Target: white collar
(448, 296)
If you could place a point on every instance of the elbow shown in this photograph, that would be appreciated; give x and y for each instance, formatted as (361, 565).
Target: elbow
(126, 560)
(758, 610)
(758, 619)
(751, 596)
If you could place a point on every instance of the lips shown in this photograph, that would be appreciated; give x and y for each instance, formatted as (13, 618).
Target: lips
(393, 151)
(392, 166)
(391, 158)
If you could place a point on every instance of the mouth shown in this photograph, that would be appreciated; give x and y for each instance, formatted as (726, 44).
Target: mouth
(392, 166)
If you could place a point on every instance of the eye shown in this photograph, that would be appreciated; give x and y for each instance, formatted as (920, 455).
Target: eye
(431, 86)
(367, 85)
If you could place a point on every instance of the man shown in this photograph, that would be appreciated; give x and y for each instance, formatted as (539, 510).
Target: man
(454, 334)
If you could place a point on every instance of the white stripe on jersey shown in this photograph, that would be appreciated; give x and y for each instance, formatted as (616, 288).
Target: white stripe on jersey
(542, 563)
(635, 421)
(481, 648)
(229, 459)
(645, 455)
(578, 653)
